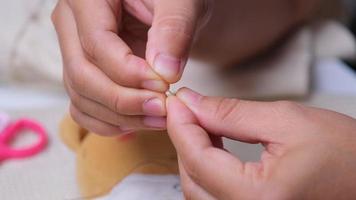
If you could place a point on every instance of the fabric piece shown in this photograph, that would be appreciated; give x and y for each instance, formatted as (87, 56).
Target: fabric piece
(19, 12)
(332, 40)
(284, 73)
(148, 187)
(30, 54)
(331, 76)
(102, 162)
(36, 56)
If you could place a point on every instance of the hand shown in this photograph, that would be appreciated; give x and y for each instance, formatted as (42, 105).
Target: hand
(309, 153)
(119, 57)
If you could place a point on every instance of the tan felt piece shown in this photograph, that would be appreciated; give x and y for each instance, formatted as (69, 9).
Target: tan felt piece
(102, 162)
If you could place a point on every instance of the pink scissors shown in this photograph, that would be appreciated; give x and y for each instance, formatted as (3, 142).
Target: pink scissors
(9, 130)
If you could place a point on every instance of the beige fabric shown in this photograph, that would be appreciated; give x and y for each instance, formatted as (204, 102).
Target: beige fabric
(30, 54)
(283, 73)
(35, 55)
(331, 39)
(102, 162)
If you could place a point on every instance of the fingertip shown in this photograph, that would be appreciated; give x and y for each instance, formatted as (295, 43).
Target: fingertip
(170, 100)
(151, 80)
(178, 112)
(169, 67)
(189, 97)
(154, 107)
(155, 85)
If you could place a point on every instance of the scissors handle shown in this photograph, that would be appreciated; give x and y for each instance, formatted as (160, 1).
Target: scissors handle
(12, 130)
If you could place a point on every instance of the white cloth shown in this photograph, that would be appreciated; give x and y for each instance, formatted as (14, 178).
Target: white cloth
(29, 49)
(331, 76)
(49, 174)
(148, 187)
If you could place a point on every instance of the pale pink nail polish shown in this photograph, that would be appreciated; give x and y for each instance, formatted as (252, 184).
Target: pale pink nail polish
(167, 66)
(155, 122)
(153, 107)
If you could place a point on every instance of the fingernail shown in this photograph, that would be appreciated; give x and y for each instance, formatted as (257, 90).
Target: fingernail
(155, 122)
(167, 66)
(189, 96)
(155, 85)
(153, 107)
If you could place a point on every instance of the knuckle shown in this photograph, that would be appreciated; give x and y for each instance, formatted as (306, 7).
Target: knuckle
(188, 192)
(72, 64)
(54, 16)
(76, 74)
(118, 103)
(74, 114)
(191, 169)
(90, 42)
(177, 23)
(227, 109)
(76, 100)
(187, 189)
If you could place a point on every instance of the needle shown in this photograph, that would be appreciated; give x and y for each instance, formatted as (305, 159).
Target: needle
(170, 93)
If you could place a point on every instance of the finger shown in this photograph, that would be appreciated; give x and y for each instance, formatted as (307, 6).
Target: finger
(171, 35)
(89, 81)
(202, 161)
(98, 24)
(125, 101)
(190, 189)
(95, 125)
(101, 113)
(246, 121)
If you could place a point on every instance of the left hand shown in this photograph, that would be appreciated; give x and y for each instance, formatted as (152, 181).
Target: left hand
(120, 55)
(309, 153)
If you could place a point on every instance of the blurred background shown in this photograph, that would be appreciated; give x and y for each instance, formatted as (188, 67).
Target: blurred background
(315, 65)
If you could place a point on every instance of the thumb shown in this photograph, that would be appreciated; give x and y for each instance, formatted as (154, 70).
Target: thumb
(171, 35)
(246, 121)
(200, 159)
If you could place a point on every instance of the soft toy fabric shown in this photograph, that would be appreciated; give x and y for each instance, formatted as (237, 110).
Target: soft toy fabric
(102, 162)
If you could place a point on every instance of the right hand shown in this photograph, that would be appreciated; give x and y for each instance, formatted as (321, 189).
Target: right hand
(119, 57)
(309, 153)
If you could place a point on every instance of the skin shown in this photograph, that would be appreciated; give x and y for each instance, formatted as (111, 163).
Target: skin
(309, 153)
(119, 56)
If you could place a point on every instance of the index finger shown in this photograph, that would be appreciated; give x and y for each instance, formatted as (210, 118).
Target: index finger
(98, 23)
(212, 168)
